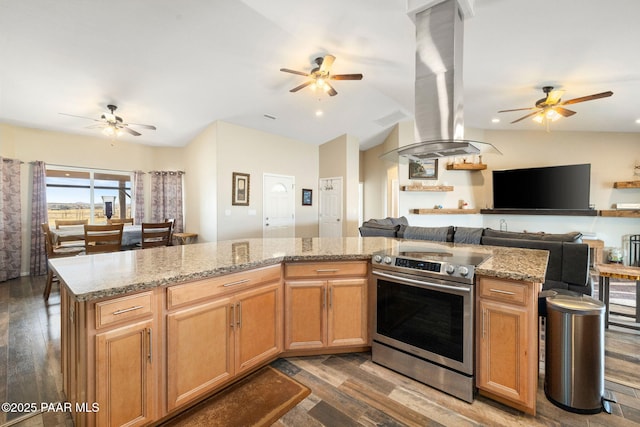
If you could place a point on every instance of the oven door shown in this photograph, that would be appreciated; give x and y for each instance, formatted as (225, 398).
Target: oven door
(430, 318)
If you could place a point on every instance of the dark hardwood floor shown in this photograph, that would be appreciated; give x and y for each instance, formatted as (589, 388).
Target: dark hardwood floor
(347, 390)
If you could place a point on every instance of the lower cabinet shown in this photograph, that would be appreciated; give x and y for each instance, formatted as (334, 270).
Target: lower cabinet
(326, 313)
(124, 375)
(507, 342)
(210, 343)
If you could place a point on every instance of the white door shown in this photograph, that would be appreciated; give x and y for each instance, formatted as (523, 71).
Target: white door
(331, 207)
(279, 206)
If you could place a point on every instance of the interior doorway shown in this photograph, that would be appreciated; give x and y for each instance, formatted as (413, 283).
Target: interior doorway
(331, 207)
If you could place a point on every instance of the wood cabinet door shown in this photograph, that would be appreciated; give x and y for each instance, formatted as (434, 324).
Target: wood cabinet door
(124, 375)
(258, 325)
(503, 351)
(347, 312)
(305, 318)
(199, 350)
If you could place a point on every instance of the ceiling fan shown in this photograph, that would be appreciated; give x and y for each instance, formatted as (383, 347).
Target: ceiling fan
(320, 75)
(550, 108)
(113, 125)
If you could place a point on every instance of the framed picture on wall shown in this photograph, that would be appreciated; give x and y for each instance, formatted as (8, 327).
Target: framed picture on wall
(426, 169)
(240, 189)
(306, 197)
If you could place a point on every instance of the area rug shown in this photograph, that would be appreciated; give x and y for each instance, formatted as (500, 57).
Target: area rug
(258, 400)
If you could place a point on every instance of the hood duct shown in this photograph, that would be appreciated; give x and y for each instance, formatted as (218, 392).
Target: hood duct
(439, 123)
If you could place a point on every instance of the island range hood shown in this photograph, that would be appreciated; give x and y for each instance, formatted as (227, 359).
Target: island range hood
(439, 124)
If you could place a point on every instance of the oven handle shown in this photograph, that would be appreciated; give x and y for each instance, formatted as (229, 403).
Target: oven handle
(422, 283)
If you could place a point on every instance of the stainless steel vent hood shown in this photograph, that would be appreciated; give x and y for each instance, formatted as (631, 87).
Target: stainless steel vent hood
(439, 124)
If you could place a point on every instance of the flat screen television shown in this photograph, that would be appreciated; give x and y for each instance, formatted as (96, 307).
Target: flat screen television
(553, 187)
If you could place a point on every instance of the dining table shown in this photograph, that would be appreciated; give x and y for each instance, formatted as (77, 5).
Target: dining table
(131, 234)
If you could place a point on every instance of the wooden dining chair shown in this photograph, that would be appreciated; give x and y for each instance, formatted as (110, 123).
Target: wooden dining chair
(156, 234)
(103, 238)
(55, 251)
(120, 221)
(70, 222)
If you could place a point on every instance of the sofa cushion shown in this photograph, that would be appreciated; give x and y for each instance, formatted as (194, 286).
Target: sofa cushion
(438, 234)
(576, 264)
(573, 236)
(375, 230)
(471, 235)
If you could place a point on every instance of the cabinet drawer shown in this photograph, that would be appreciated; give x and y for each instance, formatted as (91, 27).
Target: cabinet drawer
(325, 269)
(124, 308)
(503, 290)
(203, 289)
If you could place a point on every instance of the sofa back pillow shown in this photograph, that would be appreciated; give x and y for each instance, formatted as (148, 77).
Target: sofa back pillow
(471, 235)
(436, 234)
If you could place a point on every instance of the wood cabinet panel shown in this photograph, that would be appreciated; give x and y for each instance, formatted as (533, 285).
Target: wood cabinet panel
(347, 314)
(305, 322)
(199, 350)
(124, 375)
(325, 269)
(123, 309)
(502, 290)
(204, 289)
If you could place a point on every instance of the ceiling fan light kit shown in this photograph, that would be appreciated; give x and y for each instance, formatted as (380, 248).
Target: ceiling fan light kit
(320, 75)
(112, 125)
(550, 108)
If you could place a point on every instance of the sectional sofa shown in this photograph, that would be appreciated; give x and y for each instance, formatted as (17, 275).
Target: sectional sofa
(568, 266)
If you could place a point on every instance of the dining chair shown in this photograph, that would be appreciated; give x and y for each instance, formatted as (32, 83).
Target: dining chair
(120, 221)
(70, 222)
(55, 251)
(103, 238)
(156, 234)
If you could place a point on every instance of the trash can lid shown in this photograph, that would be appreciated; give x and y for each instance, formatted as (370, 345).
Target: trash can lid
(582, 304)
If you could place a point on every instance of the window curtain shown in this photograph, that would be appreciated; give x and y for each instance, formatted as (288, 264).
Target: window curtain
(166, 198)
(138, 196)
(39, 215)
(10, 219)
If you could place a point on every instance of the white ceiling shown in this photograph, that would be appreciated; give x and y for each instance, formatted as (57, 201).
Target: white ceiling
(182, 65)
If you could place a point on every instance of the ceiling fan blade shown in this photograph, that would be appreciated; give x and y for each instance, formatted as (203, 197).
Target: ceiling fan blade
(286, 70)
(303, 85)
(327, 62)
(129, 130)
(517, 109)
(97, 126)
(346, 77)
(80, 117)
(563, 111)
(331, 91)
(554, 97)
(151, 127)
(587, 98)
(525, 117)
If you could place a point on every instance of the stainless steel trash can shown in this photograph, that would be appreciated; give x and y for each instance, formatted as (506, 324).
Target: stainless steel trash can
(574, 357)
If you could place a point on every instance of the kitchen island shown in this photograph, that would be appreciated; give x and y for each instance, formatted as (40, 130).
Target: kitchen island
(148, 333)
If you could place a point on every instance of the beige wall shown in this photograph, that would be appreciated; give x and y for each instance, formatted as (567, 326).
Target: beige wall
(245, 150)
(340, 157)
(611, 155)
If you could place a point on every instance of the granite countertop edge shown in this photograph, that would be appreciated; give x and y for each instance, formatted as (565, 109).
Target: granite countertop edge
(508, 263)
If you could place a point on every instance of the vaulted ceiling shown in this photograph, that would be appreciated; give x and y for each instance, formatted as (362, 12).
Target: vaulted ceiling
(181, 65)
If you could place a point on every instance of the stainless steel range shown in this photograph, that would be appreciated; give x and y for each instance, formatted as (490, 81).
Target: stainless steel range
(424, 317)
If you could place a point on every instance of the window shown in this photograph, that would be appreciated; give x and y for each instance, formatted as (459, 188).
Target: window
(75, 193)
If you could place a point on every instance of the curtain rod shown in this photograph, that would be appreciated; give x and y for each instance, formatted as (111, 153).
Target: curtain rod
(86, 168)
(4, 159)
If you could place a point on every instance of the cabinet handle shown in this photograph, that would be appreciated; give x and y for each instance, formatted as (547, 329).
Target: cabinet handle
(239, 316)
(232, 314)
(330, 298)
(150, 344)
(327, 270)
(500, 291)
(126, 310)
(484, 311)
(239, 282)
(324, 297)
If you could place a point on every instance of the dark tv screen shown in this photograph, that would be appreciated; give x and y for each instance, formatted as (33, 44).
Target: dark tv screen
(554, 187)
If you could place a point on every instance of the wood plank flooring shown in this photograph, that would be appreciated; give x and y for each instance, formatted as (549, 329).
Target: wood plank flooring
(347, 390)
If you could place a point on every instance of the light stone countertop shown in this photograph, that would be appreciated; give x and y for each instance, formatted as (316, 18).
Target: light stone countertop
(91, 277)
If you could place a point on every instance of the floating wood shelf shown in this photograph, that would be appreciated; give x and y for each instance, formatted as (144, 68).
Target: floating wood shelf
(626, 184)
(621, 213)
(466, 167)
(444, 211)
(433, 188)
